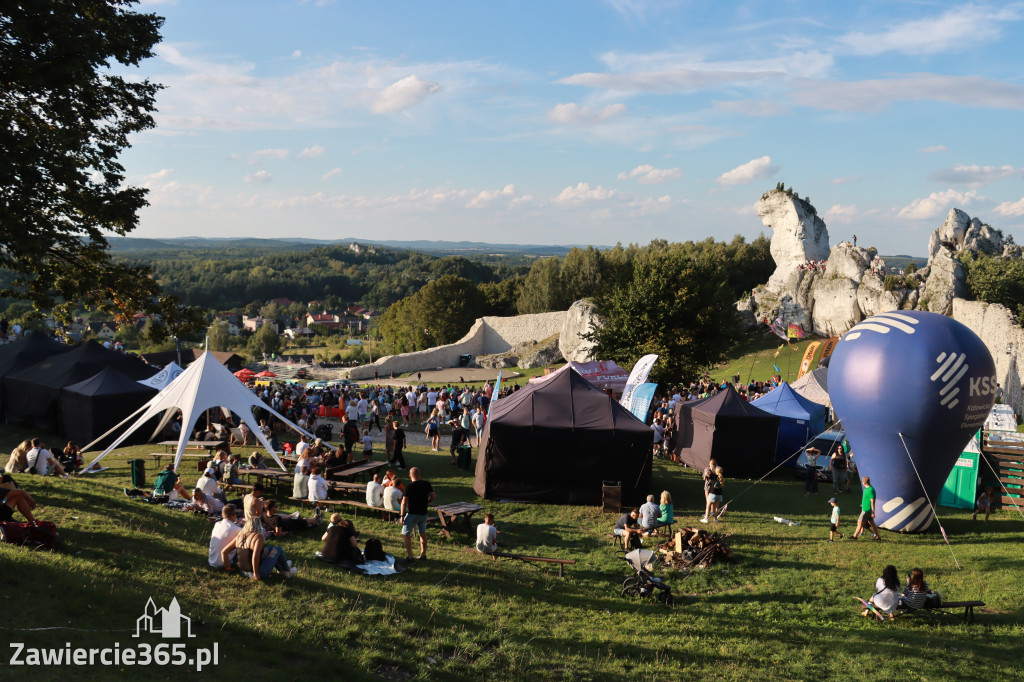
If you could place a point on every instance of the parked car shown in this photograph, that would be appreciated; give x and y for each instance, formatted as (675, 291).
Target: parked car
(827, 443)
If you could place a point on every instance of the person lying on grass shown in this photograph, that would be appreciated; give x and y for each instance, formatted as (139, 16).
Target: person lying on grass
(256, 559)
(285, 524)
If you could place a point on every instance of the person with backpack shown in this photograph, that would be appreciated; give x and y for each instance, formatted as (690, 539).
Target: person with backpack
(39, 460)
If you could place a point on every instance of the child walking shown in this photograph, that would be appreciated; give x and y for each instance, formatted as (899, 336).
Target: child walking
(834, 521)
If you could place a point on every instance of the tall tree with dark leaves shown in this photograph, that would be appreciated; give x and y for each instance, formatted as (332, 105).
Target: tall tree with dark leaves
(66, 113)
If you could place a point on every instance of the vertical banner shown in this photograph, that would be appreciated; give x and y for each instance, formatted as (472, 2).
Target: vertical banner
(641, 370)
(494, 395)
(805, 364)
(830, 345)
(641, 400)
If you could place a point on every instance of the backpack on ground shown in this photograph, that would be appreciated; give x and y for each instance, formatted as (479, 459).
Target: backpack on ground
(374, 551)
(43, 536)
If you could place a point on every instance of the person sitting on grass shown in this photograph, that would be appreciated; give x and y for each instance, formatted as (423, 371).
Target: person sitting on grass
(224, 531)
(166, 483)
(12, 499)
(917, 594)
(18, 463)
(207, 504)
(256, 559)
(340, 542)
(487, 535)
(208, 484)
(984, 504)
(284, 524)
(887, 592)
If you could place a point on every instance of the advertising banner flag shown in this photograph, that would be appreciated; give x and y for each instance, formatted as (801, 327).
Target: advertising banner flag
(805, 364)
(830, 345)
(641, 370)
(494, 394)
(641, 400)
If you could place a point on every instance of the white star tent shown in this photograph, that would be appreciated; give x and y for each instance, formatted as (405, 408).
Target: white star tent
(206, 384)
(164, 377)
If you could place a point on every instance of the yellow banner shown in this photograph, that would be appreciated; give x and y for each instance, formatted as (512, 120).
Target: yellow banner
(830, 346)
(805, 364)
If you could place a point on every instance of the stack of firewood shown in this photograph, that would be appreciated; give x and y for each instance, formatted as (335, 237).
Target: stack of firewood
(693, 547)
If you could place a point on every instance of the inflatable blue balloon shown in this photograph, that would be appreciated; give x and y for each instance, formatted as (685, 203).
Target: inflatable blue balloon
(921, 375)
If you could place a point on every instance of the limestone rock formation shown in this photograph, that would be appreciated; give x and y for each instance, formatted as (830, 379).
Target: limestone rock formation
(580, 320)
(524, 355)
(855, 284)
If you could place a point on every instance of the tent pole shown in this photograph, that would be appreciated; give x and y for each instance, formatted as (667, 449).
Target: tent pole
(125, 421)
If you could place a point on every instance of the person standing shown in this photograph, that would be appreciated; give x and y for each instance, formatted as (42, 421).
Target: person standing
(833, 527)
(867, 511)
(415, 505)
(399, 459)
(811, 465)
(837, 462)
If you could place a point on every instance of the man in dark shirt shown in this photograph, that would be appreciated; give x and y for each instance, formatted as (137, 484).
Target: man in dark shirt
(626, 525)
(418, 496)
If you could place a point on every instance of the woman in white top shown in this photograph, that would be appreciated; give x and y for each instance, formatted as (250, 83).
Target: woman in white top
(300, 484)
(317, 486)
(887, 596)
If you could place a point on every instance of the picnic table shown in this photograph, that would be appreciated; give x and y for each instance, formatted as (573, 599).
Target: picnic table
(203, 458)
(449, 514)
(209, 445)
(366, 469)
(275, 475)
(347, 487)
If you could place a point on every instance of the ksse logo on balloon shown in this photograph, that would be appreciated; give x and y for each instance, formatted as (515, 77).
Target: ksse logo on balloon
(911, 388)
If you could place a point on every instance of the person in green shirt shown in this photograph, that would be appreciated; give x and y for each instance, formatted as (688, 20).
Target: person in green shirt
(867, 511)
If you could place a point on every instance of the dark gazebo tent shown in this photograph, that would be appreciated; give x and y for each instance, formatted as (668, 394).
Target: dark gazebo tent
(739, 436)
(800, 420)
(558, 440)
(92, 407)
(30, 349)
(32, 394)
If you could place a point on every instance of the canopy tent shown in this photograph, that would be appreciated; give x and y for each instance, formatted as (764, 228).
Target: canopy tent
(33, 393)
(266, 374)
(728, 429)
(558, 440)
(814, 386)
(93, 406)
(800, 420)
(28, 350)
(164, 377)
(601, 374)
(206, 384)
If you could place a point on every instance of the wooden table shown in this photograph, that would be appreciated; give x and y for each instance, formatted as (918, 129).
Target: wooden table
(449, 514)
(275, 475)
(160, 456)
(347, 488)
(367, 469)
(210, 445)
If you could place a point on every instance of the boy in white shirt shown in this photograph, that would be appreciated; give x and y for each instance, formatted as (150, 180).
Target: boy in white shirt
(224, 531)
(487, 535)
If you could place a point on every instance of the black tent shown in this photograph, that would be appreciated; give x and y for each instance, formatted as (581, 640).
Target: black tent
(32, 394)
(739, 436)
(33, 347)
(92, 407)
(558, 440)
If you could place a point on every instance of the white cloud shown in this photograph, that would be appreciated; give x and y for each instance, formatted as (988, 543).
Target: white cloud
(261, 155)
(402, 95)
(974, 176)
(676, 81)
(159, 176)
(647, 174)
(258, 176)
(957, 29)
(937, 203)
(330, 174)
(934, 150)
(583, 193)
(875, 95)
(758, 169)
(843, 181)
(746, 210)
(487, 197)
(310, 152)
(841, 214)
(1011, 208)
(296, 54)
(751, 107)
(574, 114)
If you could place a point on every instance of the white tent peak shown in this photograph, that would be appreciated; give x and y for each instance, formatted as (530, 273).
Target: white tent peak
(206, 384)
(164, 377)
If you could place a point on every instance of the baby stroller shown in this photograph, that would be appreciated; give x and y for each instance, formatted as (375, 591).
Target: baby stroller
(644, 584)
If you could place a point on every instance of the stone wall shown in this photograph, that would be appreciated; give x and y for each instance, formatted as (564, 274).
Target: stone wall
(487, 336)
(994, 324)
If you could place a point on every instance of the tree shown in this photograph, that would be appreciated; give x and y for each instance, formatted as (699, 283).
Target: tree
(543, 289)
(66, 119)
(996, 280)
(264, 342)
(220, 336)
(676, 306)
(447, 308)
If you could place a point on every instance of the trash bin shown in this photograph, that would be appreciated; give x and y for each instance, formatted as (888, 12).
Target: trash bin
(611, 496)
(138, 467)
(465, 457)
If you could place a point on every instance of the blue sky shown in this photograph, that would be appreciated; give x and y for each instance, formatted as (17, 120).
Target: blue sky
(572, 122)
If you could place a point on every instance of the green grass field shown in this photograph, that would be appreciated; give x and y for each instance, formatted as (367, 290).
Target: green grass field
(784, 610)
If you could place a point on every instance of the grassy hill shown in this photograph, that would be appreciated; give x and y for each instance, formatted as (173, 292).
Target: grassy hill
(757, 355)
(785, 610)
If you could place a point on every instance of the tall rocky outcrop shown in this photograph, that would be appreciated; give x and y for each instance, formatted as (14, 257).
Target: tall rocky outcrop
(827, 299)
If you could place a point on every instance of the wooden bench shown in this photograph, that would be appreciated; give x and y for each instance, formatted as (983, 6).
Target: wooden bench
(536, 559)
(235, 486)
(967, 606)
(355, 504)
